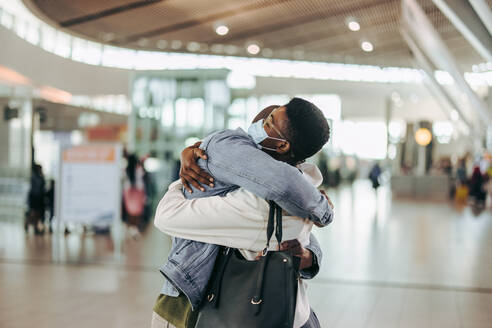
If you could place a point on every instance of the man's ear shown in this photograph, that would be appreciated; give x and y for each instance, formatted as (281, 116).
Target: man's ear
(283, 147)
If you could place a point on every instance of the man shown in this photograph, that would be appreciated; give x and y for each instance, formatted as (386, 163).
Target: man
(287, 135)
(36, 201)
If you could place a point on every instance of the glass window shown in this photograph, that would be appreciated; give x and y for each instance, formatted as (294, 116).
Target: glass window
(181, 109)
(330, 105)
(7, 19)
(32, 34)
(364, 139)
(269, 100)
(167, 116)
(397, 131)
(20, 27)
(252, 109)
(238, 107)
(240, 80)
(234, 123)
(86, 51)
(443, 131)
(93, 53)
(342, 138)
(78, 49)
(196, 112)
(63, 44)
(48, 38)
(118, 57)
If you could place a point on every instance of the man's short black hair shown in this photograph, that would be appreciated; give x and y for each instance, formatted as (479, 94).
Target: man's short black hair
(308, 128)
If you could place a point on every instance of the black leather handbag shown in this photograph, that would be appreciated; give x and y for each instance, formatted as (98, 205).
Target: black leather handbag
(250, 294)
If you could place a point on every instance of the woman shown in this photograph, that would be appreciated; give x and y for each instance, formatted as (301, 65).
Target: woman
(134, 196)
(477, 191)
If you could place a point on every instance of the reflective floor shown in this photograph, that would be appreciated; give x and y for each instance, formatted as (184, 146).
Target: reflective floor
(387, 263)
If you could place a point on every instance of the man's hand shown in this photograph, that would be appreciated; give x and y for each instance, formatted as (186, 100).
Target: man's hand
(190, 172)
(296, 249)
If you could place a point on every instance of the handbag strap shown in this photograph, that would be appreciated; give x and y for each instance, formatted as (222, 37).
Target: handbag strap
(257, 296)
(274, 209)
(278, 227)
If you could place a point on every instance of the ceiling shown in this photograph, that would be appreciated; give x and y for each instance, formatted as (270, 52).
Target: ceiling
(289, 29)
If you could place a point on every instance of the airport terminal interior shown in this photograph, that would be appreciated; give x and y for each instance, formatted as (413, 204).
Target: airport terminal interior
(99, 99)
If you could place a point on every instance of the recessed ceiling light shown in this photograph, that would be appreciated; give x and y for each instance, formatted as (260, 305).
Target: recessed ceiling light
(221, 30)
(176, 44)
(367, 46)
(353, 25)
(193, 46)
(143, 42)
(107, 37)
(161, 44)
(253, 49)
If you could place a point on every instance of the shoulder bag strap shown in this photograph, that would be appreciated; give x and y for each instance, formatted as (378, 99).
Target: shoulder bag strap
(278, 227)
(257, 296)
(269, 230)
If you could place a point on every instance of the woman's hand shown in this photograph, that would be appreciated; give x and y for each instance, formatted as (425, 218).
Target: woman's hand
(190, 172)
(327, 199)
(296, 249)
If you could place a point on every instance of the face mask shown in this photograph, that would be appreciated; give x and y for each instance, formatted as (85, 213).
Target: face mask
(258, 133)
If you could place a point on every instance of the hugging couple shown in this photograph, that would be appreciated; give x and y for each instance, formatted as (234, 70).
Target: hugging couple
(222, 202)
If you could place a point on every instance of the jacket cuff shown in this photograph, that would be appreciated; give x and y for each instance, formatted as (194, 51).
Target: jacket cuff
(311, 272)
(324, 216)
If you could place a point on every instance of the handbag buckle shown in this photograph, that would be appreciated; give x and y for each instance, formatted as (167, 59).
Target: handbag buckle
(264, 251)
(210, 297)
(256, 302)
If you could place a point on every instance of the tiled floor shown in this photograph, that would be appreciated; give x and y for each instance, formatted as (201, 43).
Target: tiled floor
(406, 264)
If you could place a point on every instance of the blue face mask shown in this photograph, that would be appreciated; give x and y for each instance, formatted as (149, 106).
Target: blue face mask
(258, 133)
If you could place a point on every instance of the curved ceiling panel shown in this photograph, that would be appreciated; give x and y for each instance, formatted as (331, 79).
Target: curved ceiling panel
(291, 29)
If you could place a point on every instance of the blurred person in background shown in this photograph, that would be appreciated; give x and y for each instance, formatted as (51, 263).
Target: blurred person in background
(50, 202)
(374, 175)
(134, 195)
(462, 189)
(36, 201)
(446, 167)
(488, 177)
(461, 172)
(477, 191)
(149, 195)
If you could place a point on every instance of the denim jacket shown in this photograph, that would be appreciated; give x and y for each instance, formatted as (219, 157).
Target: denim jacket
(235, 160)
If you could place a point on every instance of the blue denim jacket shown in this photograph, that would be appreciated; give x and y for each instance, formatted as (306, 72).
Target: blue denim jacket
(235, 160)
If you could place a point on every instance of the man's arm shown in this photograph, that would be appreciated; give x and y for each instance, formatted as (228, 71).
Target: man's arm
(236, 220)
(236, 160)
(315, 248)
